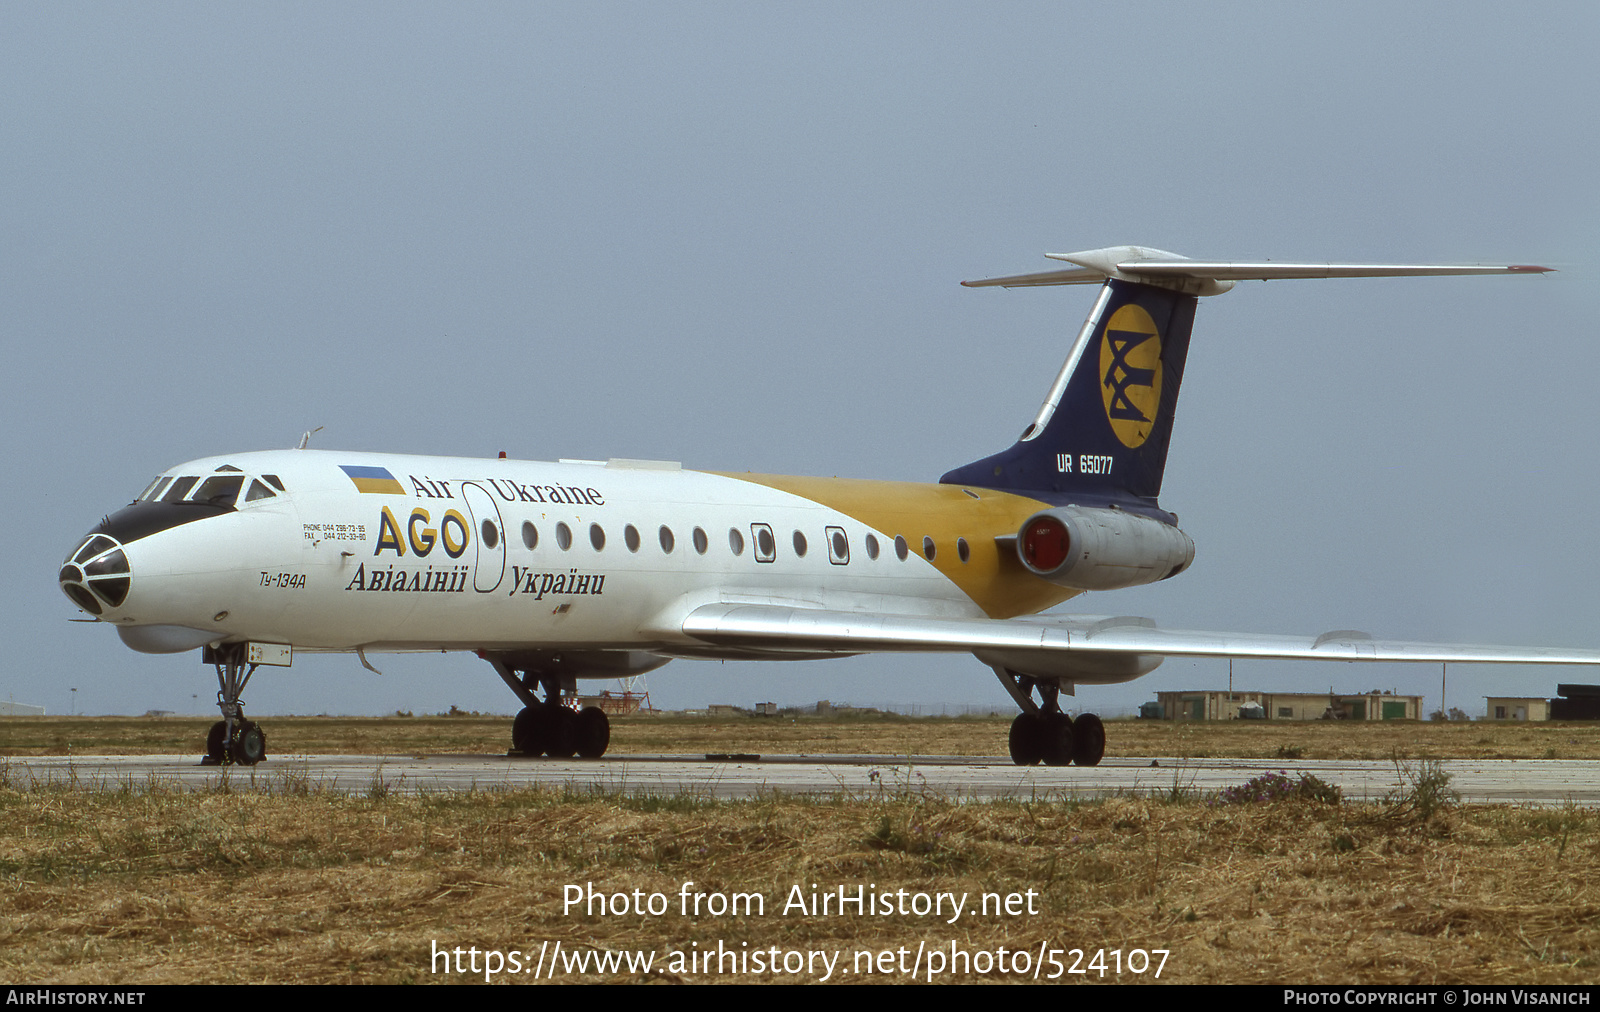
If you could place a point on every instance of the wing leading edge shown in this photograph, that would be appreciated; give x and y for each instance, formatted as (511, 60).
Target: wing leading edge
(1071, 645)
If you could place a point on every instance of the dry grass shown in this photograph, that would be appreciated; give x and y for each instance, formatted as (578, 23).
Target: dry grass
(1249, 739)
(145, 886)
(886, 735)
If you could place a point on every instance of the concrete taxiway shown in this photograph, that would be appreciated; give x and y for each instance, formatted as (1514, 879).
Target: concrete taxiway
(1519, 781)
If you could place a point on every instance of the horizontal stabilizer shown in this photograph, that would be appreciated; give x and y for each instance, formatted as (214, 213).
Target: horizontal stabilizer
(1227, 271)
(1076, 276)
(1213, 277)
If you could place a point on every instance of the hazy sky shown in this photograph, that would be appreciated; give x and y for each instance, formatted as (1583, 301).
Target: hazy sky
(730, 234)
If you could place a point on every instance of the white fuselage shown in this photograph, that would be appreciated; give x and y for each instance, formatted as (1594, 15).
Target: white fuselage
(491, 555)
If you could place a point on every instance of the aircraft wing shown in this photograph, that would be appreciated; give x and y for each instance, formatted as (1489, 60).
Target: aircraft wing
(1050, 640)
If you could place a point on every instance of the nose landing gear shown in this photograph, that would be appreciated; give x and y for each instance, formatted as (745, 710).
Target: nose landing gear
(1042, 733)
(233, 739)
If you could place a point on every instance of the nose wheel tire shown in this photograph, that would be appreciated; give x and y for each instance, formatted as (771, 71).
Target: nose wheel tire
(249, 744)
(216, 744)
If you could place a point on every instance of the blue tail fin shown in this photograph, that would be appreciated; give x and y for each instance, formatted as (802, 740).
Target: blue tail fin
(1103, 431)
(1101, 437)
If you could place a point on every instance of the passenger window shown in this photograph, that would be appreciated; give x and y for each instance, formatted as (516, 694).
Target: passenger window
(838, 547)
(963, 550)
(563, 536)
(799, 545)
(766, 544)
(491, 534)
(927, 548)
(735, 541)
(701, 542)
(667, 540)
(597, 536)
(900, 549)
(530, 535)
(630, 536)
(872, 546)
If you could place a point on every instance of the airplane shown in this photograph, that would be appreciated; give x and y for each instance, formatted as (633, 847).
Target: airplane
(555, 572)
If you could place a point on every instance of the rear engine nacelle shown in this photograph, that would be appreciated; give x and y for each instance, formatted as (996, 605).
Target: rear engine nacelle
(1101, 549)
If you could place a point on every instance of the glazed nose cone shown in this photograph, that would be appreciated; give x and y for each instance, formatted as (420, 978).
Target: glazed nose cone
(96, 576)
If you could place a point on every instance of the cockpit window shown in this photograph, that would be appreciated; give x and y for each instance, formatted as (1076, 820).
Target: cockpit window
(220, 490)
(258, 491)
(157, 487)
(178, 489)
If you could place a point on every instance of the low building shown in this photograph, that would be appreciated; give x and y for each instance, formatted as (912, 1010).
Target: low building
(1219, 704)
(1517, 708)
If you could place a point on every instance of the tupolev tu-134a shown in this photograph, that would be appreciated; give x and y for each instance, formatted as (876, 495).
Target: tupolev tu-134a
(555, 572)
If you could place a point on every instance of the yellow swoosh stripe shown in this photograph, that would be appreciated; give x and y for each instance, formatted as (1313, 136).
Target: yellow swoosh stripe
(993, 578)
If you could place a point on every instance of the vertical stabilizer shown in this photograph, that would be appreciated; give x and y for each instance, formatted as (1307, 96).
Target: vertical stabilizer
(1101, 436)
(1104, 428)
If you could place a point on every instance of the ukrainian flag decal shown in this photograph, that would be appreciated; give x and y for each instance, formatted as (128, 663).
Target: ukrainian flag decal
(373, 479)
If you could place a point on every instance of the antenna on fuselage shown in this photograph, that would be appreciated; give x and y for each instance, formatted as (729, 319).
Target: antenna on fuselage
(305, 438)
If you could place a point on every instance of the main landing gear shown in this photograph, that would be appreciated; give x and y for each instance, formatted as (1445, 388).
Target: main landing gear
(553, 726)
(233, 739)
(561, 732)
(1042, 733)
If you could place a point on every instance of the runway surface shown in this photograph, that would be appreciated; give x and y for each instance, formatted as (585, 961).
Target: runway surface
(1519, 781)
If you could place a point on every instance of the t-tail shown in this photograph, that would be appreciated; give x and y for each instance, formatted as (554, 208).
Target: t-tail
(1101, 437)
